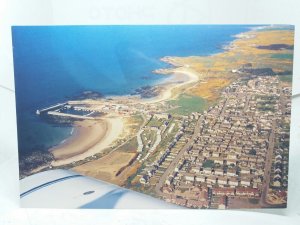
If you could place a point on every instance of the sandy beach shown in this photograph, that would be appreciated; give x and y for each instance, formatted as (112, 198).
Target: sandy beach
(90, 137)
(181, 77)
(85, 135)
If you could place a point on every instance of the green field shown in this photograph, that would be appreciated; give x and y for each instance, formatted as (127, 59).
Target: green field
(154, 122)
(286, 78)
(282, 56)
(130, 146)
(187, 104)
(149, 135)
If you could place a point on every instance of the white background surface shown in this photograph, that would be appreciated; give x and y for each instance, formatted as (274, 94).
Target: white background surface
(63, 12)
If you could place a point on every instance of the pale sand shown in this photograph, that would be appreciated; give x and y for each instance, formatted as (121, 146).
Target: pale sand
(93, 139)
(86, 134)
(181, 77)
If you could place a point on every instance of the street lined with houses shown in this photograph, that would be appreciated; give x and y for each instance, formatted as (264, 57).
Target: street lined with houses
(227, 157)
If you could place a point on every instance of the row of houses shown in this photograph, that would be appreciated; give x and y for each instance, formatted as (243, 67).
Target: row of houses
(231, 192)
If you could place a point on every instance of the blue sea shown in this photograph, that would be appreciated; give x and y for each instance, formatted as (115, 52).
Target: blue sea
(55, 63)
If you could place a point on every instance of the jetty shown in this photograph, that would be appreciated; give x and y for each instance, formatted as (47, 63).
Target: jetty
(51, 108)
(66, 110)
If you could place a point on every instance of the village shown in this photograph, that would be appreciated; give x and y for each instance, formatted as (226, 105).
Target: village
(233, 155)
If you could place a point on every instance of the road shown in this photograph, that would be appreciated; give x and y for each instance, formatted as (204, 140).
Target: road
(268, 166)
(174, 163)
(247, 103)
(270, 152)
(223, 108)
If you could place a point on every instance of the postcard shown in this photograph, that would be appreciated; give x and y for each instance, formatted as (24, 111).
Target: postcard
(160, 116)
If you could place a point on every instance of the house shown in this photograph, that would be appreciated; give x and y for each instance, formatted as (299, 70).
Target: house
(223, 191)
(231, 172)
(247, 192)
(216, 154)
(257, 179)
(200, 178)
(277, 177)
(197, 204)
(231, 162)
(207, 170)
(277, 183)
(245, 170)
(219, 161)
(169, 180)
(203, 194)
(222, 180)
(144, 179)
(277, 170)
(232, 156)
(189, 177)
(252, 159)
(151, 172)
(167, 190)
(245, 182)
(233, 182)
(219, 172)
(211, 179)
(206, 153)
(259, 172)
(195, 169)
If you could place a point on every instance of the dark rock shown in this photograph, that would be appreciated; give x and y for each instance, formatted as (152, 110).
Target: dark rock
(276, 47)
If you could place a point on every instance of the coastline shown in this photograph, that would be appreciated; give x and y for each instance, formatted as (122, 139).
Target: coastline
(85, 135)
(180, 77)
(91, 139)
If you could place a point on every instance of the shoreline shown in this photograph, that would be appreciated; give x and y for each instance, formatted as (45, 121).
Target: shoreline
(181, 75)
(91, 142)
(92, 137)
(76, 143)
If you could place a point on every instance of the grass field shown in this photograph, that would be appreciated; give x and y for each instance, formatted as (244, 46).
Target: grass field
(149, 137)
(286, 78)
(282, 56)
(130, 146)
(211, 89)
(187, 104)
(154, 122)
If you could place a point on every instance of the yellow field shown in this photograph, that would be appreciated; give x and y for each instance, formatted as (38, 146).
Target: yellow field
(106, 167)
(209, 89)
